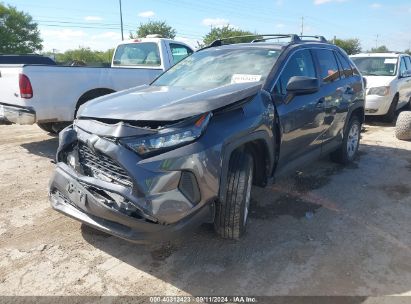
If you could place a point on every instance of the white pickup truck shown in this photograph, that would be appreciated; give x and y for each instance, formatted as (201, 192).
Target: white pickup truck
(50, 95)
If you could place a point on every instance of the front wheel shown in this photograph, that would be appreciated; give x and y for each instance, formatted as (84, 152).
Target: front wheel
(232, 214)
(351, 141)
(390, 116)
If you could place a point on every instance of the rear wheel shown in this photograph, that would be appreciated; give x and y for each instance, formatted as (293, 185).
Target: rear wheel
(48, 127)
(53, 127)
(349, 148)
(390, 116)
(232, 214)
(89, 96)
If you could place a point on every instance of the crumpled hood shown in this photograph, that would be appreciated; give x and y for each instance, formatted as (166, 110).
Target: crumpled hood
(153, 103)
(379, 81)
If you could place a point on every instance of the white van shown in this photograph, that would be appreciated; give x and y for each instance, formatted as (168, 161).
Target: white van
(388, 82)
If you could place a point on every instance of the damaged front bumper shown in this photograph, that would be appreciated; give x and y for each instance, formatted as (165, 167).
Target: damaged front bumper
(16, 114)
(71, 195)
(102, 183)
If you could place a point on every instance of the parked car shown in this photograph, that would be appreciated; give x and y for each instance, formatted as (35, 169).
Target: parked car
(26, 59)
(388, 82)
(50, 95)
(154, 161)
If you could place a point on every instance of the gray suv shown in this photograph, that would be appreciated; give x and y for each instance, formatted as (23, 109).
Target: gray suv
(152, 162)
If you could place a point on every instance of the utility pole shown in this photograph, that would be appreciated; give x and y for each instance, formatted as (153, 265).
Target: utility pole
(121, 20)
(376, 42)
(302, 25)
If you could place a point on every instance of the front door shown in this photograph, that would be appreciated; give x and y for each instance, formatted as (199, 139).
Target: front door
(404, 81)
(301, 118)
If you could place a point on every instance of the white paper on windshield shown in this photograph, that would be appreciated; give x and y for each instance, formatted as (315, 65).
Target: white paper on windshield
(241, 78)
(390, 61)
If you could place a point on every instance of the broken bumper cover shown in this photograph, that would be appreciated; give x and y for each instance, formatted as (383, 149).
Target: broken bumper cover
(17, 115)
(70, 196)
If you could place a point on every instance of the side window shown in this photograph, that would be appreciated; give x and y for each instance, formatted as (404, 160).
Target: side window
(328, 65)
(300, 64)
(179, 52)
(403, 66)
(408, 62)
(346, 67)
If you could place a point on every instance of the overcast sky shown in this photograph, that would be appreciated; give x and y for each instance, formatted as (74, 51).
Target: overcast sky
(96, 24)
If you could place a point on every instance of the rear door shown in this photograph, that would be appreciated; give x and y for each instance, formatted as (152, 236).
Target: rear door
(335, 90)
(301, 118)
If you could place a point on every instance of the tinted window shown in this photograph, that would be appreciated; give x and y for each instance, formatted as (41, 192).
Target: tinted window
(216, 67)
(408, 62)
(328, 65)
(299, 64)
(179, 52)
(346, 67)
(145, 54)
(376, 66)
(403, 66)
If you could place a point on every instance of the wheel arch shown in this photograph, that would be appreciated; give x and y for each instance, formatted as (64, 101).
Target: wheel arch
(261, 146)
(91, 94)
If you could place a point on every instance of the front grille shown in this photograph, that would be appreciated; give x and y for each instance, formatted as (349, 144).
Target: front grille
(101, 166)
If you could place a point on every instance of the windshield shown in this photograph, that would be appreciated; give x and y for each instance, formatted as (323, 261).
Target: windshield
(143, 54)
(376, 66)
(218, 67)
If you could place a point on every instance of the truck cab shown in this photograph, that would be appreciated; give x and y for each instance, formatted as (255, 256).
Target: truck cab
(50, 95)
(150, 53)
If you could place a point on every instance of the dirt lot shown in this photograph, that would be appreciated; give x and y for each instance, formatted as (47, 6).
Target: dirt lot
(357, 241)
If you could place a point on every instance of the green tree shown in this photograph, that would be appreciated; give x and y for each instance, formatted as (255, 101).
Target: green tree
(408, 51)
(226, 32)
(85, 56)
(350, 46)
(380, 49)
(154, 27)
(18, 33)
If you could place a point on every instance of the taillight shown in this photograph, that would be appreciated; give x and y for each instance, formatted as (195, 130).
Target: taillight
(26, 91)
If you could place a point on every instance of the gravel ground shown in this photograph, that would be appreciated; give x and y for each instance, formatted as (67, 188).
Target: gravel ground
(327, 230)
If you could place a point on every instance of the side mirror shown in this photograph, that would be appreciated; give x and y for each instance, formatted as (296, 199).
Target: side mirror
(301, 85)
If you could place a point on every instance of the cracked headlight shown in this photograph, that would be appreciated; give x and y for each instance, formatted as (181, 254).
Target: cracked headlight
(380, 91)
(171, 138)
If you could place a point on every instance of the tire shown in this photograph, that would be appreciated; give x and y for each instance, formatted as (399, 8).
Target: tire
(390, 116)
(351, 141)
(403, 126)
(232, 214)
(89, 96)
(48, 127)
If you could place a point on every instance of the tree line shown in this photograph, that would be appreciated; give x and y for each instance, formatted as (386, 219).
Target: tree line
(20, 35)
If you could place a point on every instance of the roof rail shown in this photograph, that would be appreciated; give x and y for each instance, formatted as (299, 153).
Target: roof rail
(259, 38)
(319, 38)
